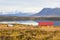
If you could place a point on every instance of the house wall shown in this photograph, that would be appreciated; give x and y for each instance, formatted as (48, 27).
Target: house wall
(46, 23)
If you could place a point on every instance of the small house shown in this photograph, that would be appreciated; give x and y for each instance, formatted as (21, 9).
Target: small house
(46, 23)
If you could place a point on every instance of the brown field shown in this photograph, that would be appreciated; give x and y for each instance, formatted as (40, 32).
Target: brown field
(29, 32)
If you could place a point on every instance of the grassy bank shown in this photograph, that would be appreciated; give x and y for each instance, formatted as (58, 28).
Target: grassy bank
(26, 32)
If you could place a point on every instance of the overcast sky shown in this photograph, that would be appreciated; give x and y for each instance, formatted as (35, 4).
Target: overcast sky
(27, 5)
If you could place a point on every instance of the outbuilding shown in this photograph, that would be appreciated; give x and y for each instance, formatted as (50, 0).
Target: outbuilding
(45, 23)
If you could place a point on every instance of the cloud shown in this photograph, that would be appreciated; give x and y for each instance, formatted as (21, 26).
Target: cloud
(19, 9)
(27, 5)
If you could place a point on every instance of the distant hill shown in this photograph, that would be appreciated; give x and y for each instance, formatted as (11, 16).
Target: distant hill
(16, 14)
(48, 12)
(45, 14)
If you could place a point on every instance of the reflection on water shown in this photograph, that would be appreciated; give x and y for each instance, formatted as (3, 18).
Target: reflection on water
(29, 22)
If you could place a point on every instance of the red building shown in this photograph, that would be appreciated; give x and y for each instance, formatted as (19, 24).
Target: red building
(46, 23)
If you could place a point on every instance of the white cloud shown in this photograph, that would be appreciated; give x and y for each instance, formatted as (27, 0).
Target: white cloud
(19, 9)
(27, 5)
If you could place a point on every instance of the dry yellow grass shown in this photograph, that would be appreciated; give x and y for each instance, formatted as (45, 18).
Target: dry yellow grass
(26, 32)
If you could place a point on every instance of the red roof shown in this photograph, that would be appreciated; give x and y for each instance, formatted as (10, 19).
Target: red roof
(45, 23)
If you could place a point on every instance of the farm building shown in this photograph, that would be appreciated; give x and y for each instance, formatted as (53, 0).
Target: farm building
(45, 23)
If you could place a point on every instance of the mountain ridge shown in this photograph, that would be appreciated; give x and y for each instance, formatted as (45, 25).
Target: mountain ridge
(48, 12)
(16, 14)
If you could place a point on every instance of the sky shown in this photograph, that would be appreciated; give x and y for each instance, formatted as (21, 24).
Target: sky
(32, 6)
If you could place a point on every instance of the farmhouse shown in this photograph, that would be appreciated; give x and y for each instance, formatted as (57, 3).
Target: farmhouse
(46, 23)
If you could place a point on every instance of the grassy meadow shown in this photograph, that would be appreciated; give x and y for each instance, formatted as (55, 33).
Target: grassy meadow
(26, 32)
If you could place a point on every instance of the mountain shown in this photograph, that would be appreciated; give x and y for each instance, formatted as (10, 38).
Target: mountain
(48, 12)
(16, 14)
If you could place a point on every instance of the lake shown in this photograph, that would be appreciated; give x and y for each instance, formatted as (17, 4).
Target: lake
(31, 22)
